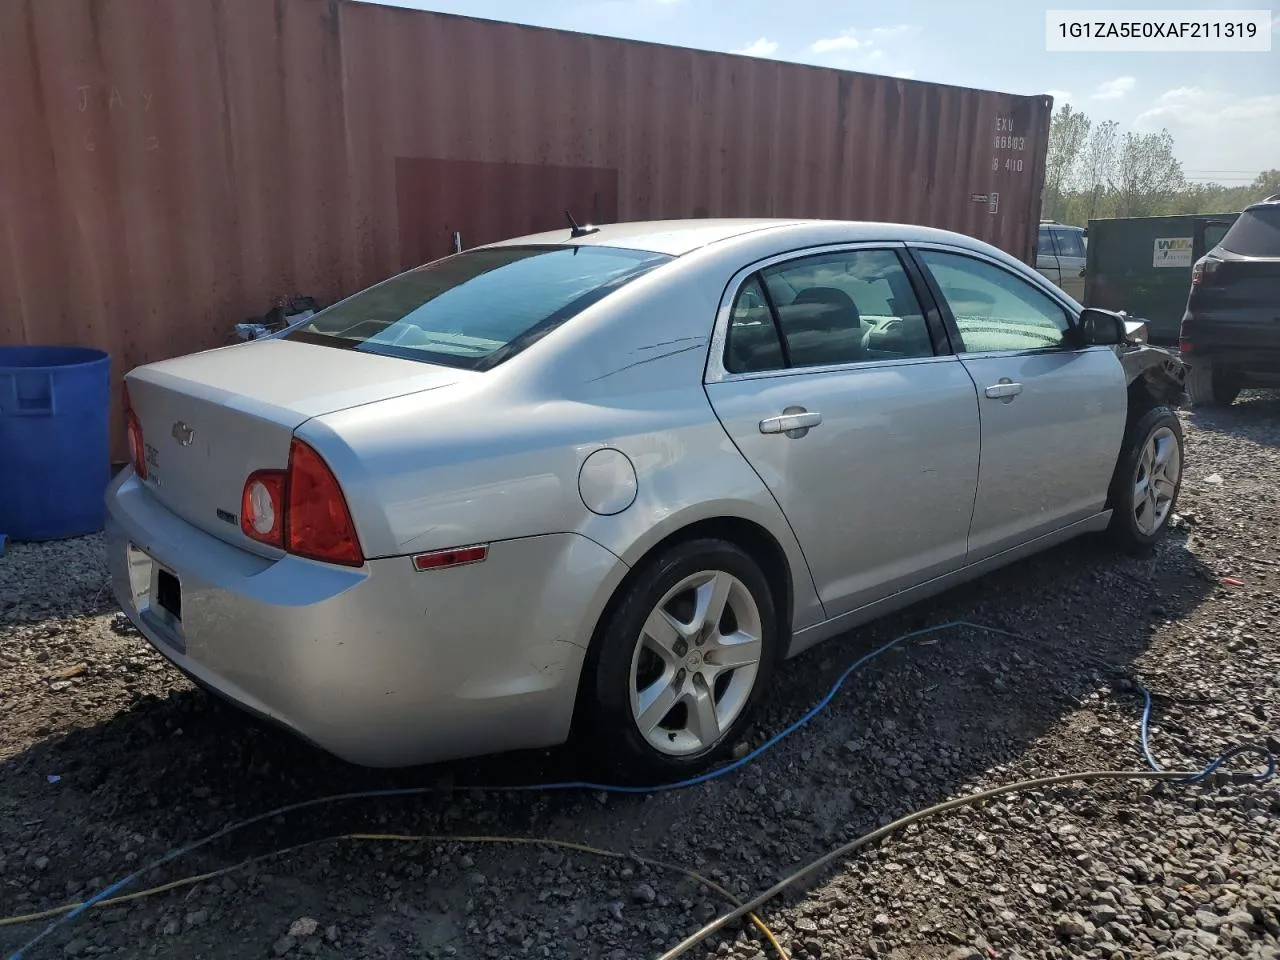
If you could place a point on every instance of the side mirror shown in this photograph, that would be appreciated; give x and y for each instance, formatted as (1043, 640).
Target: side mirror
(1101, 327)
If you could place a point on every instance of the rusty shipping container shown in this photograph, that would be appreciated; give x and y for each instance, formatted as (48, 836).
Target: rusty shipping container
(171, 167)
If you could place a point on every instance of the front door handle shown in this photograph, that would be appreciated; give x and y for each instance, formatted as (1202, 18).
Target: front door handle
(794, 422)
(1005, 390)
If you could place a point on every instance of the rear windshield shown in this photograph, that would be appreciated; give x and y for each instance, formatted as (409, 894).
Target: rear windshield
(476, 309)
(1256, 233)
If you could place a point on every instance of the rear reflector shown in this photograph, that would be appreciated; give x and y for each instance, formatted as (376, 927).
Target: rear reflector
(452, 557)
(1184, 346)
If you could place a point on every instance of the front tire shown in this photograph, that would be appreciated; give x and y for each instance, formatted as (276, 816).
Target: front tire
(1147, 480)
(680, 662)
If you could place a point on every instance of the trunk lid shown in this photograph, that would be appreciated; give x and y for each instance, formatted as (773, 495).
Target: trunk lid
(210, 419)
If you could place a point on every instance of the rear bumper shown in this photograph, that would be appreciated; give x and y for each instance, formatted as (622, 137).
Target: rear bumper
(381, 666)
(1220, 342)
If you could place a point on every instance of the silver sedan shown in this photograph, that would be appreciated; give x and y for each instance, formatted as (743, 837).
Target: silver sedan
(604, 480)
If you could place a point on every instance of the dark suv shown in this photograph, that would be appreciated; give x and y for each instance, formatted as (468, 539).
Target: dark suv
(1230, 334)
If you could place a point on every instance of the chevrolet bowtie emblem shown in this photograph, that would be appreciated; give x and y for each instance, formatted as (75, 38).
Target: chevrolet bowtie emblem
(183, 434)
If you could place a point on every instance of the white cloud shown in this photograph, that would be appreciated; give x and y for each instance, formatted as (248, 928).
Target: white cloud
(1114, 89)
(848, 40)
(1214, 130)
(1059, 97)
(764, 47)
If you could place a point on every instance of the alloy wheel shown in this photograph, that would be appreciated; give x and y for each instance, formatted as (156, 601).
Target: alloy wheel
(695, 663)
(1156, 480)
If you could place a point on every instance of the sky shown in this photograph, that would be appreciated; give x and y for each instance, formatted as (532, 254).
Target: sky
(1223, 109)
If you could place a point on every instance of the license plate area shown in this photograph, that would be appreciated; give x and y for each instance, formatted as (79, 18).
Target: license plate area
(157, 596)
(168, 593)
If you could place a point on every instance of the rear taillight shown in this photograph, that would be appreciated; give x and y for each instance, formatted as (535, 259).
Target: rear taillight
(133, 433)
(262, 507)
(317, 522)
(1184, 346)
(1202, 270)
(301, 510)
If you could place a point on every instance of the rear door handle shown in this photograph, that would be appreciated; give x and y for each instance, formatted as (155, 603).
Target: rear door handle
(788, 422)
(1005, 390)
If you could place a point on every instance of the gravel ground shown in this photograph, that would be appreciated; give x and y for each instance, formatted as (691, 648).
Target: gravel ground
(108, 759)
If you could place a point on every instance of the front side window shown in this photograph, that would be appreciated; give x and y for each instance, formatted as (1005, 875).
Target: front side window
(838, 308)
(993, 308)
(478, 308)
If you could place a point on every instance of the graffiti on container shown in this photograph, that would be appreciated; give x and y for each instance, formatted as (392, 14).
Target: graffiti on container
(90, 95)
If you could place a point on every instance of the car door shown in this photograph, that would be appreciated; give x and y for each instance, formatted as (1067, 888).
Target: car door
(1053, 413)
(836, 386)
(1071, 259)
(1047, 256)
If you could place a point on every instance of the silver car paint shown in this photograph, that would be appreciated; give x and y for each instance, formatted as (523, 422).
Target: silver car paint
(380, 665)
(241, 405)
(495, 458)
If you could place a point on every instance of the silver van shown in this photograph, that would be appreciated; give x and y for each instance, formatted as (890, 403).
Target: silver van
(1060, 256)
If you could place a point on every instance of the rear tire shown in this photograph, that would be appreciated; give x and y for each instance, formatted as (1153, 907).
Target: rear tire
(1210, 386)
(1147, 479)
(663, 699)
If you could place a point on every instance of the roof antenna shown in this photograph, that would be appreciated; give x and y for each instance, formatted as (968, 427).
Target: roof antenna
(575, 230)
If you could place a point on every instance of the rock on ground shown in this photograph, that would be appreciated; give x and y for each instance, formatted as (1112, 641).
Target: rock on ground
(109, 759)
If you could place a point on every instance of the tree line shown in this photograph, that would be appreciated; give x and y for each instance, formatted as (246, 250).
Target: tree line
(1095, 171)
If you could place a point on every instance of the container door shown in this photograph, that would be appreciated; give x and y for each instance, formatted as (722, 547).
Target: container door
(867, 439)
(1053, 415)
(1207, 233)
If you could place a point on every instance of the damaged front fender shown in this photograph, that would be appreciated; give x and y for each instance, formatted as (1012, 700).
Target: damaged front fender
(1159, 371)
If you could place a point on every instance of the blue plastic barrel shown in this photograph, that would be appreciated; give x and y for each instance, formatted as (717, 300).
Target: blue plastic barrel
(55, 446)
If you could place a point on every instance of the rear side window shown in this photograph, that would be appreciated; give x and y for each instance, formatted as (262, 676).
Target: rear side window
(1256, 233)
(476, 309)
(854, 306)
(1070, 243)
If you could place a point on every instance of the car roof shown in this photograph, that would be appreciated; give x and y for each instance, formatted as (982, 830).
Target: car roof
(678, 237)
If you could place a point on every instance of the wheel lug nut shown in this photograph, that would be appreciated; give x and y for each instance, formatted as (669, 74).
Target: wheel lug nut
(680, 676)
(681, 648)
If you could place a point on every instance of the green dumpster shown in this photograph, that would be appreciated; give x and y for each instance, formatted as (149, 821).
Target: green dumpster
(1143, 265)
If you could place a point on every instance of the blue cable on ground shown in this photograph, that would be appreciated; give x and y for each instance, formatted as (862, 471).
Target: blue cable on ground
(626, 789)
(1243, 749)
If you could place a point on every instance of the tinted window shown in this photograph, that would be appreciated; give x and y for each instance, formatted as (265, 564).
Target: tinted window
(753, 339)
(1070, 243)
(1256, 233)
(478, 308)
(993, 308)
(1044, 245)
(847, 307)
